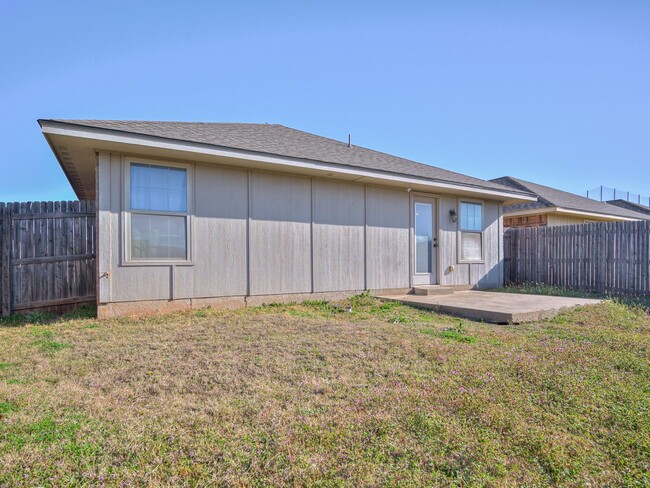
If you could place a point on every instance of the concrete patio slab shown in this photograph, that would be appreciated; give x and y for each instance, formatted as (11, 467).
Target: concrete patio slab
(490, 306)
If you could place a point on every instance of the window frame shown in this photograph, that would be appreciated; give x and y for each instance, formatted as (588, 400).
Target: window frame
(127, 259)
(460, 232)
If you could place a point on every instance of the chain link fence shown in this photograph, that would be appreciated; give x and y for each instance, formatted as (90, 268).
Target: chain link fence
(606, 194)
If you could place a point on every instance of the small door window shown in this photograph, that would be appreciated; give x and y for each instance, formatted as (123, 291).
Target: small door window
(423, 237)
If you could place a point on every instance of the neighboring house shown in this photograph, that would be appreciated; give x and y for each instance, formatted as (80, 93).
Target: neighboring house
(636, 207)
(199, 214)
(557, 207)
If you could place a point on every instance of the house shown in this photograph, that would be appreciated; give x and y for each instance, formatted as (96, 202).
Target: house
(636, 207)
(557, 207)
(216, 214)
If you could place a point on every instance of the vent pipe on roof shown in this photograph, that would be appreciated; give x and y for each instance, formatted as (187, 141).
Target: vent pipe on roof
(349, 140)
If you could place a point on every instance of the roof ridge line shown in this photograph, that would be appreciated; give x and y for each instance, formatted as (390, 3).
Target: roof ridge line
(80, 121)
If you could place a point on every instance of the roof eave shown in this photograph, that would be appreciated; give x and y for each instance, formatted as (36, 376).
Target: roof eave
(595, 214)
(76, 186)
(571, 212)
(51, 127)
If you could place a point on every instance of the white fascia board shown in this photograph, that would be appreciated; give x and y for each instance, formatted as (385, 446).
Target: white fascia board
(579, 213)
(105, 135)
(565, 211)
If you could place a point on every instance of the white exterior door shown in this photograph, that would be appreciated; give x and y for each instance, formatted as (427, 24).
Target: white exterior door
(424, 234)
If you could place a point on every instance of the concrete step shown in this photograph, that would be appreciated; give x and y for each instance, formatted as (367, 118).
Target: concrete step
(427, 290)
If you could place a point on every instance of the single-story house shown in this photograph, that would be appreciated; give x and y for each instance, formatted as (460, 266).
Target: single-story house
(557, 207)
(634, 206)
(220, 214)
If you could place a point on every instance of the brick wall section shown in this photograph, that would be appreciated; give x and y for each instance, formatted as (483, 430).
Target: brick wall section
(537, 220)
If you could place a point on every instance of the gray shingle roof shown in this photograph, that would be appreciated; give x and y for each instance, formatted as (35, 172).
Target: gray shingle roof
(552, 197)
(283, 141)
(636, 207)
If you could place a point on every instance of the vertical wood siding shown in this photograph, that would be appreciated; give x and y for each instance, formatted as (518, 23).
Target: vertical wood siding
(338, 237)
(280, 237)
(256, 233)
(606, 257)
(387, 255)
(219, 233)
(488, 273)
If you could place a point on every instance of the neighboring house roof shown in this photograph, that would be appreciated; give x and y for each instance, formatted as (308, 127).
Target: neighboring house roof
(554, 198)
(636, 207)
(273, 139)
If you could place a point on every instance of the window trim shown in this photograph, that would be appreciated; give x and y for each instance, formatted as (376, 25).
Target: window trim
(459, 232)
(126, 259)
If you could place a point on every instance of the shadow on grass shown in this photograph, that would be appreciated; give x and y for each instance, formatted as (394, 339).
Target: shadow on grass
(46, 318)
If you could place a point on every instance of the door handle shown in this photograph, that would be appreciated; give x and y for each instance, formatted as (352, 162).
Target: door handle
(435, 242)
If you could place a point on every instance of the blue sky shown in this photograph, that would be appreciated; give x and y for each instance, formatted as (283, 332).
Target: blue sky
(553, 92)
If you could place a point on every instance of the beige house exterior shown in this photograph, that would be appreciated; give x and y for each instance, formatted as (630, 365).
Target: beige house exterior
(230, 215)
(557, 207)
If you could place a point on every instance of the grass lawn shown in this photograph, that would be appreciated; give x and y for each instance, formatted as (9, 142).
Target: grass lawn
(313, 395)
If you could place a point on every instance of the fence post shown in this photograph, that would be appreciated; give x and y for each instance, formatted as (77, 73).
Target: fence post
(506, 257)
(5, 257)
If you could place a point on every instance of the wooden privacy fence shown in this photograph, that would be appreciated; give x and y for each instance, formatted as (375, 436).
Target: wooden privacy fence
(607, 257)
(47, 255)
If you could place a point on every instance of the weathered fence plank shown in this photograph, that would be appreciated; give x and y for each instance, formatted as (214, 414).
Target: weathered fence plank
(47, 255)
(5, 252)
(606, 257)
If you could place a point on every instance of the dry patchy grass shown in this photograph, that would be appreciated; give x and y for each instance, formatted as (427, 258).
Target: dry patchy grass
(313, 395)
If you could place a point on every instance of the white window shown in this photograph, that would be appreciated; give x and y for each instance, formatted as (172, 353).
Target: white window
(471, 231)
(159, 217)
